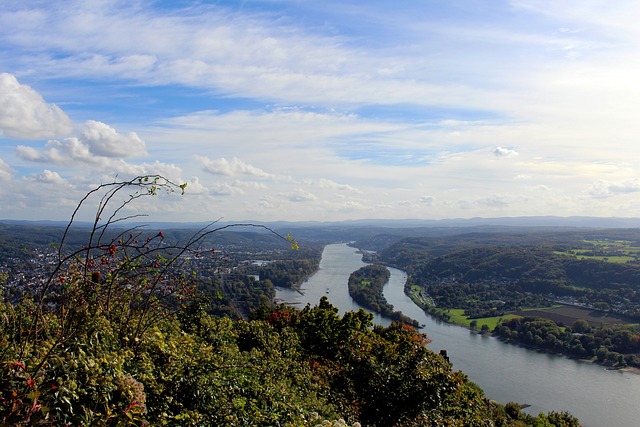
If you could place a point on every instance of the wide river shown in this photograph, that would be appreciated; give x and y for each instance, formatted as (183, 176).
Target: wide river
(506, 372)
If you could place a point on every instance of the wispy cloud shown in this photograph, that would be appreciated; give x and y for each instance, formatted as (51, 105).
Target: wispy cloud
(300, 195)
(232, 168)
(332, 185)
(604, 189)
(6, 172)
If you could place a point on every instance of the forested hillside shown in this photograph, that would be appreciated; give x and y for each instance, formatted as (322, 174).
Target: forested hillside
(590, 277)
(524, 276)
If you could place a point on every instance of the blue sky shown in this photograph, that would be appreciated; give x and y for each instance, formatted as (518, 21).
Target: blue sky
(305, 110)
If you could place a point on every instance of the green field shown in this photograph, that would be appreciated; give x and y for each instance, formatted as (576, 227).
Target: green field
(458, 318)
(616, 259)
(614, 251)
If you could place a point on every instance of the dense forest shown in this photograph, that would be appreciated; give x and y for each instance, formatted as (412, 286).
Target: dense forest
(612, 346)
(290, 273)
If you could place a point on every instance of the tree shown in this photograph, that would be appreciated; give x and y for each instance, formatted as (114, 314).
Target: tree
(600, 305)
(581, 326)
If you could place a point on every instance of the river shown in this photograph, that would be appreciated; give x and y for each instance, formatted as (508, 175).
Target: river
(506, 372)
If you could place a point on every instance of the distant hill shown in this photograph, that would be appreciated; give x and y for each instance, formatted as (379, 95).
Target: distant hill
(523, 221)
(371, 234)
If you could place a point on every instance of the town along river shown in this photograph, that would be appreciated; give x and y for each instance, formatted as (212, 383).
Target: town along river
(505, 372)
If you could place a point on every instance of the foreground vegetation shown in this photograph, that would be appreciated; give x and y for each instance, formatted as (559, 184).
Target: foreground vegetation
(284, 367)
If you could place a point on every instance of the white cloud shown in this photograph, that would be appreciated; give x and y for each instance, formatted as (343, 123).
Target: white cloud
(523, 176)
(103, 140)
(224, 189)
(168, 170)
(75, 154)
(24, 113)
(66, 152)
(504, 152)
(289, 97)
(233, 168)
(268, 202)
(195, 187)
(300, 195)
(427, 200)
(494, 201)
(49, 177)
(242, 55)
(604, 189)
(250, 184)
(5, 171)
(99, 147)
(332, 185)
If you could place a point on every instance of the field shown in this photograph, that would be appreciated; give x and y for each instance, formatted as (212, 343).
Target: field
(458, 318)
(568, 314)
(563, 315)
(614, 251)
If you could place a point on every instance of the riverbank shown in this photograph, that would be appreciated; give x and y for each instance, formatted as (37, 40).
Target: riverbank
(487, 326)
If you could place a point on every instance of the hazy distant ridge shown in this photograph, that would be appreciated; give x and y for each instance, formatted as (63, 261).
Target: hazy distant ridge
(525, 221)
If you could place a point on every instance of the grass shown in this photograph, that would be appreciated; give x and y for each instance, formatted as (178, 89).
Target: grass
(457, 317)
(613, 259)
(562, 314)
(617, 252)
(419, 297)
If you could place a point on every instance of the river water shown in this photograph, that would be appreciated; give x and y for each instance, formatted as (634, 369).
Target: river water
(506, 372)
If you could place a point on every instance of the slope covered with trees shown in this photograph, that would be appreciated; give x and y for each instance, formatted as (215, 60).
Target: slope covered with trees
(504, 276)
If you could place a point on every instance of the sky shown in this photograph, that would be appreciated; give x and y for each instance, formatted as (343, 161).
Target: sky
(301, 110)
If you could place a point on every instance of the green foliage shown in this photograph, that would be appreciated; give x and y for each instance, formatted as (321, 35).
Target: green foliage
(289, 273)
(285, 367)
(615, 346)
